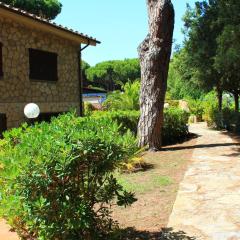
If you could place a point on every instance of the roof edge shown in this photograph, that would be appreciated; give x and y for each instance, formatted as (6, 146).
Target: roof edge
(76, 36)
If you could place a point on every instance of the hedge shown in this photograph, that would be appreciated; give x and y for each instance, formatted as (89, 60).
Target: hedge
(175, 122)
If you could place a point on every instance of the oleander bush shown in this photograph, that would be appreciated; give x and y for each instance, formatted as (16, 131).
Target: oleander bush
(56, 180)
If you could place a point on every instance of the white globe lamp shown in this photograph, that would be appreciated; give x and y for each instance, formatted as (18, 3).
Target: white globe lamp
(166, 105)
(31, 111)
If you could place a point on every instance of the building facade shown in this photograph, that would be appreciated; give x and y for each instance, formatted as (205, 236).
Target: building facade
(40, 63)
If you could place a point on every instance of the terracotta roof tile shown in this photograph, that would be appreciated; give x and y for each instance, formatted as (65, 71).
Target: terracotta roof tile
(46, 21)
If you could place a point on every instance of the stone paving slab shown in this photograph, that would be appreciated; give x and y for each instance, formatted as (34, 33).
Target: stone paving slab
(208, 201)
(5, 233)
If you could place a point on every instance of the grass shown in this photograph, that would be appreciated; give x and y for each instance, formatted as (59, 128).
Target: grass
(131, 182)
(155, 188)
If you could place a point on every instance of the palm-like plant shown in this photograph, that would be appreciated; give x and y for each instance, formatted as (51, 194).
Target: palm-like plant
(127, 99)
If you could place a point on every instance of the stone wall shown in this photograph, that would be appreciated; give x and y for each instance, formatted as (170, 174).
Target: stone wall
(16, 89)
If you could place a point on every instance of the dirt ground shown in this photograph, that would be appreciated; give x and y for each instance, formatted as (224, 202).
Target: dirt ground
(156, 190)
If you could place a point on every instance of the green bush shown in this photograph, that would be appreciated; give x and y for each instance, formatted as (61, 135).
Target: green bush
(57, 181)
(174, 129)
(127, 99)
(210, 106)
(231, 120)
(226, 119)
(88, 109)
(214, 118)
(173, 103)
(196, 108)
(127, 120)
(175, 125)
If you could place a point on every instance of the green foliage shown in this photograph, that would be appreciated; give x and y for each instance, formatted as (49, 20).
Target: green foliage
(126, 100)
(212, 43)
(174, 129)
(45, 8)
(202, 30)
(227, 119)
(231, 120)
(215, 118)
(154, 181)
(210, 107)
(84, 67)
(88, 109)
(110, 75)
(227, 58)
(175, 125)
(56, 179)
(173, 103)
(183, 78)
(127, 120)
(196, 108)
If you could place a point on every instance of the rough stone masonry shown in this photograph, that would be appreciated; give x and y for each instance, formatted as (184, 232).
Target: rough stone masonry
(16, 89)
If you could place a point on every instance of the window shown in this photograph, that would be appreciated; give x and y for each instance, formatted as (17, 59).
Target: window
(1, 67)
(43, 65)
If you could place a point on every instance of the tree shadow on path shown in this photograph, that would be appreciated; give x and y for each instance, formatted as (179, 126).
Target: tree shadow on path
(201, 146)
(165, 234)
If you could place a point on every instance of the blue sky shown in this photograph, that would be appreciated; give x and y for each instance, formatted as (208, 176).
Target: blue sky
(120, 25)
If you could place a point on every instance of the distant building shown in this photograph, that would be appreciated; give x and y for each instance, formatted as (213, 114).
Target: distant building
(40, 63)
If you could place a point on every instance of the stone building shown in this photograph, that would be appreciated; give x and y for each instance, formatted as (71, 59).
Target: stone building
(40, 63)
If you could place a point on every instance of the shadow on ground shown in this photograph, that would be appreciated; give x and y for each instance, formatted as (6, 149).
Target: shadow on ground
(181, 140)
(165, 234)
(232, 135)
(201, 146)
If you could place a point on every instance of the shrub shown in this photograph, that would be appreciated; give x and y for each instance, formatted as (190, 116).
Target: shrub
(214, 118)
(174, 129)
(127, 120)
(210, 108)
(226, 119)
(173, 103)
(175, 125)
(196, 108)
(56, 179)
(231, 120)
(128, 99)
(88, 109)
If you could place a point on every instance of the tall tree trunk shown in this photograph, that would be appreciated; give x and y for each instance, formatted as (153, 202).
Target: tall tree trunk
(236, 100)
(155, 53)
(220, 96)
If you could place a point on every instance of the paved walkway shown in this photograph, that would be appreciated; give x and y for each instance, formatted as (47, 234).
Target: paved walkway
(5, 233)
(208, 201)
